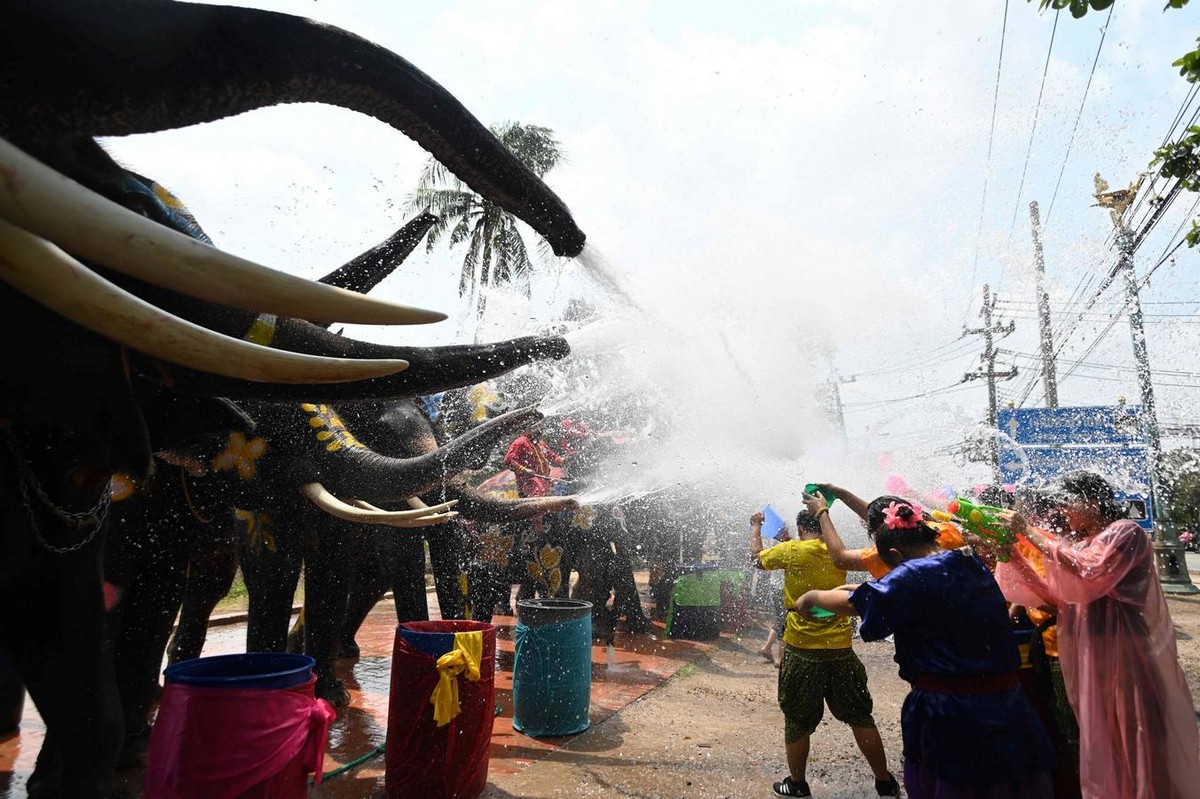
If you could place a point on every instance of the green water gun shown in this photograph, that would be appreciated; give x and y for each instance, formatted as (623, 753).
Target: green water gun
(985, 522)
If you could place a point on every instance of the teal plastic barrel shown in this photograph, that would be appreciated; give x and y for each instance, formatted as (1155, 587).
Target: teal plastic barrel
(552, 673)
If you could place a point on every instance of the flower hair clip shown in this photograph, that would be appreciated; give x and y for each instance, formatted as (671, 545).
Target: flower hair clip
(895, 521)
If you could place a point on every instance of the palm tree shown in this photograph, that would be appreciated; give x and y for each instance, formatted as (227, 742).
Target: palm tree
(496, 253)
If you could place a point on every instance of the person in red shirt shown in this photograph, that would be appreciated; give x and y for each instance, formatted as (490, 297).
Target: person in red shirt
(530, 459)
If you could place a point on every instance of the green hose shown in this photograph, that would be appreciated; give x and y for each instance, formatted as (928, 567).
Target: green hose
(376, 752)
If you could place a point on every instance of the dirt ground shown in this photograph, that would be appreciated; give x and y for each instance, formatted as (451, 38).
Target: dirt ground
(714, 730)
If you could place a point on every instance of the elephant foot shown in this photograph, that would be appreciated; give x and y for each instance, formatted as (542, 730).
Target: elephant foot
(133, 750)
(332, 690)
(349, 649)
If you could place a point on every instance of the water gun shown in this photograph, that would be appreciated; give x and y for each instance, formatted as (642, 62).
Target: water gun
(982, 520)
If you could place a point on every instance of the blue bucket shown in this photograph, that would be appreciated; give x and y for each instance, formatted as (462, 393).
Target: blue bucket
(270, 670)
(552, 672)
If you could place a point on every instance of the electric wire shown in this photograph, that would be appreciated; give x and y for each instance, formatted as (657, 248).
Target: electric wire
(1033, 128)
(988, 165)
(1079, 114)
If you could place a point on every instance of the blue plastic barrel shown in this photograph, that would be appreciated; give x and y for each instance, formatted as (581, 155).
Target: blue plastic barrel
(552, 673)
(248, 670)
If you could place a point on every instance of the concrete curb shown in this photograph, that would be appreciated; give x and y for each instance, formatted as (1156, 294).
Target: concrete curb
(243, 615)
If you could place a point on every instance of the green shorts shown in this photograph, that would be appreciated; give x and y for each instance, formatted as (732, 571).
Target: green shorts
(810, 678)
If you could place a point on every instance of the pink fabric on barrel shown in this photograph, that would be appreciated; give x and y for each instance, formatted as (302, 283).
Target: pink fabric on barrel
(1137, 725)
(212, 742)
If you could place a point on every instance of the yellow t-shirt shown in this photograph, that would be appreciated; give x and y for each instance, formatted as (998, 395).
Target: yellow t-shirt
(949, 537)
(807, 566)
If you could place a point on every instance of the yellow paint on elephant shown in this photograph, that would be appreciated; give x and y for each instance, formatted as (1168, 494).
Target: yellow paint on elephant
(494, 548)
(331, 430)
(259, 529)
(242, 455)
(546, 568)
(584, 517)
(121, 487)
(262, 331)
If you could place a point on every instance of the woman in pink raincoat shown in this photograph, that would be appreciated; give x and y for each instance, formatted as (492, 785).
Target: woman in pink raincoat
(1138, 734)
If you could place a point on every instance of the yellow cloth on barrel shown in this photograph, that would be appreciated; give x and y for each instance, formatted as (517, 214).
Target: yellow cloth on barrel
(462, 660)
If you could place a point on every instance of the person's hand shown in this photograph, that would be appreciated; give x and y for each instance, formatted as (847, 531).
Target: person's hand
(756, 519)
(1015, 521)
(805, 603)
(815, 503)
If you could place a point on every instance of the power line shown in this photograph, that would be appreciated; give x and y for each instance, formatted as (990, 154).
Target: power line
(1033, 129)
(1082, 102)
(988, 167)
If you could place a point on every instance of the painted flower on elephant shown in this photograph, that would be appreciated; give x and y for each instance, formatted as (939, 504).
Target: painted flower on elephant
(584, 518)
(494, 547)
(241, 454)
(121, 487)
(259, 529)
(330, 428)
(546, 568)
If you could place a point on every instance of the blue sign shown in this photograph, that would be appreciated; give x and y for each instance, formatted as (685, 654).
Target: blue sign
(1045, 443)
(1120, 424)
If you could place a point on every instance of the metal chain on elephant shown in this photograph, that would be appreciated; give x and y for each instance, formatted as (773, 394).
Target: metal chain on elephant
(93, 517)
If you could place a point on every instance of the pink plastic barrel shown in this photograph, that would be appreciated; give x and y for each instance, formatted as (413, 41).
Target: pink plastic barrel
(222, 730)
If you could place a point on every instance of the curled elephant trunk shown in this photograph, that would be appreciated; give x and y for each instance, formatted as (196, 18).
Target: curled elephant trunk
(139, 66)
(366, 478)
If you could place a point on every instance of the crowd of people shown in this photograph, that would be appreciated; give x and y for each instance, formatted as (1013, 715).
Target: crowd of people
(1095, 703)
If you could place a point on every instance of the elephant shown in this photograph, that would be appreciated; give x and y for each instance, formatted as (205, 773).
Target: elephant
(399, 562)
(104, 270)
(176, 532)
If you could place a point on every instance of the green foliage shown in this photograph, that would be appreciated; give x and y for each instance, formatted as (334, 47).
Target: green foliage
(1080, 7)
(1181, 159)
(496, 253)
(1189, 64)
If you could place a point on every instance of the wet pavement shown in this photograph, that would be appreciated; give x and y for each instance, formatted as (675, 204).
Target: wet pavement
(639, 664)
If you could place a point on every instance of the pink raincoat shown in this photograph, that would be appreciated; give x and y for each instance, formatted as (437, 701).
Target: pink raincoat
(1137, 727)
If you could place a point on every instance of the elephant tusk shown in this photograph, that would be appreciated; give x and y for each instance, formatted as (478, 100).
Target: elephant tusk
(417, 513)
(320, 496)
(415, 503)
(37, 198)
(46, 274)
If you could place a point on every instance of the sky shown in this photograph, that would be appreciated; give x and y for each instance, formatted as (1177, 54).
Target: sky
(804, 179)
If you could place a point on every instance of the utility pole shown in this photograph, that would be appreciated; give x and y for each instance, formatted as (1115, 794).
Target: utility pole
(989, 332)
(1049, 378)
(835, 390)
(1169, 552)
(1172, 562)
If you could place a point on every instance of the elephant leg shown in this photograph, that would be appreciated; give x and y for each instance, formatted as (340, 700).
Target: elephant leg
(326, 589)
(445, 558)
(271, 577)
(368, 584)
(404, 556)
(55, 631)
(211, 572)
(626, 601)
(486, 587)
(148, 611)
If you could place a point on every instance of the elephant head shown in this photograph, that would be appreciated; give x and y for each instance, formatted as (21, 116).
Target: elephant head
(106, 281)
(180, 64)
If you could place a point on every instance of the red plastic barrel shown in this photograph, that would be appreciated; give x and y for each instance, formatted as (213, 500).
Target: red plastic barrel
(237, 726)
(425, 760)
